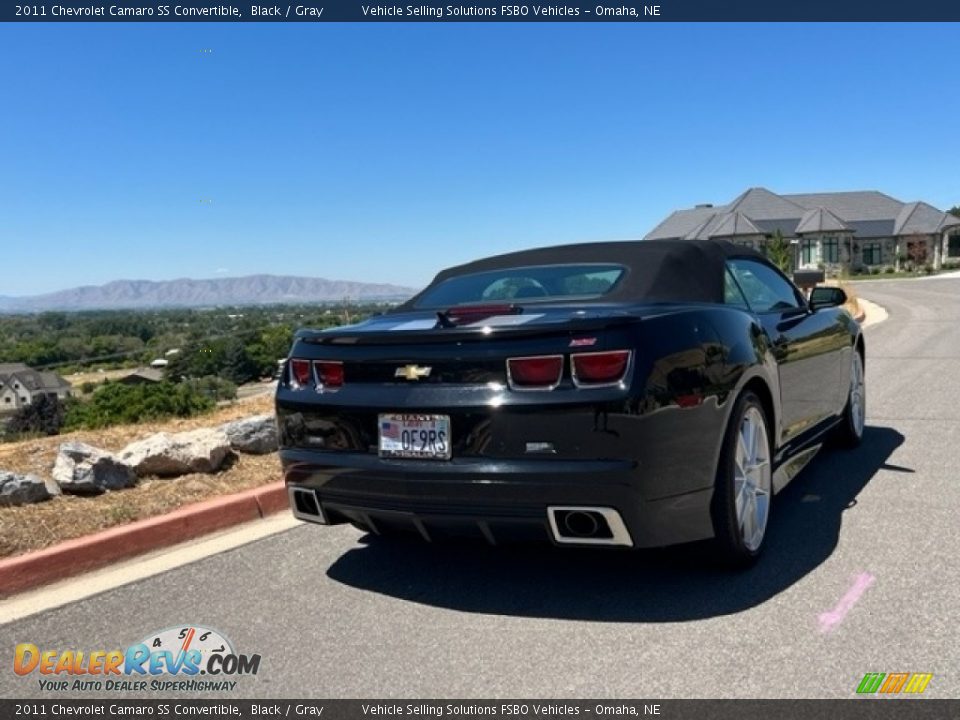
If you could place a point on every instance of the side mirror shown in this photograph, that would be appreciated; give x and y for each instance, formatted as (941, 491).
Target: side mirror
(825, 297)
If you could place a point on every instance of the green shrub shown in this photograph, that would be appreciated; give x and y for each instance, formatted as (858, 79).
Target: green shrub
(889, 270)
(213, 387)
(118, 404)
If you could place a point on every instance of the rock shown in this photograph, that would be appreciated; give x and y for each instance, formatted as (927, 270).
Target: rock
(17, 489)
(166, 455)
(82, 469)
(255, 435)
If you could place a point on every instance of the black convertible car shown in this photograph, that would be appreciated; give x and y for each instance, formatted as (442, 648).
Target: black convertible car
(629, 394)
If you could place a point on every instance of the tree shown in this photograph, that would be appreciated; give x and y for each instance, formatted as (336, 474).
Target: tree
(214, 388)
(955, 210)
(238, 368)
(45, 416)
(225, 357)
(917, 250)
(272, 345)
(779, 251)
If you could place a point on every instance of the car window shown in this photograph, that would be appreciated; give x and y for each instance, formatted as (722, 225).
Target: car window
(732, 294)
(539, 282)
(764, 288)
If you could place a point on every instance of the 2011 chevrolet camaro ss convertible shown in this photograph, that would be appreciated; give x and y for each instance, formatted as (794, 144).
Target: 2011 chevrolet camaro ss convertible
(626, 394)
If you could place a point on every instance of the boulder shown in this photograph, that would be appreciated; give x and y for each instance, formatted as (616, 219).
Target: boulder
(17, 489)
(166, 455)
(255, 435)
(82, 469)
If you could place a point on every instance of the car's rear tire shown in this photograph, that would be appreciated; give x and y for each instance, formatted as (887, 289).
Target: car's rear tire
(850, 430)
(743, 493)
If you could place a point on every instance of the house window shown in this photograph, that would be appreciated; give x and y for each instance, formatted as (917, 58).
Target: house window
(23, 399)
(872, 253)
(831, 250)
(7, 399)
(953, 246)
(808, 252)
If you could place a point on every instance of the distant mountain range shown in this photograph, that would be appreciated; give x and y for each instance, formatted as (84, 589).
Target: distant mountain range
(251, 290)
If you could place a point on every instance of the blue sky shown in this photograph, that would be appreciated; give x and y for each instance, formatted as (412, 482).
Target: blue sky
(384, 152)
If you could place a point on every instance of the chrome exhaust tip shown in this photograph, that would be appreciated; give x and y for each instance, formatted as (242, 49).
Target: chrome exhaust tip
(578, 523)
(583, 525)
(306, 505)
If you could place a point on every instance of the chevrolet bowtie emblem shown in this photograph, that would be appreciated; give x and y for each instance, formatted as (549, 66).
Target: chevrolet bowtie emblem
(412, 372)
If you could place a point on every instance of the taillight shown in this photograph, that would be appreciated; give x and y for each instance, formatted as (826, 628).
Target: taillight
(326, 373)
(329, 373)
(535, 373)
(299, 372)
(599, 368)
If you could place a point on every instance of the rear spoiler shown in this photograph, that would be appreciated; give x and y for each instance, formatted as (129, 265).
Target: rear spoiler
(462, 333)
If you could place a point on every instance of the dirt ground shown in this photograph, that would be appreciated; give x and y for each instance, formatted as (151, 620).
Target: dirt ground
(31, 527)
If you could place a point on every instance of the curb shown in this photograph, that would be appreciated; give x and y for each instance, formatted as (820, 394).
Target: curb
(73, 557)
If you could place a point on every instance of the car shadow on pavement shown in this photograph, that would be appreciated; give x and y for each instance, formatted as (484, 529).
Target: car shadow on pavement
(667, 585)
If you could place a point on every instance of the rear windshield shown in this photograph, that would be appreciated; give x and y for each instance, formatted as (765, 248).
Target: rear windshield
(541, 282)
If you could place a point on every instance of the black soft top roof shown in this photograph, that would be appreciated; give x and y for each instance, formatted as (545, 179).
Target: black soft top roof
(657, 270)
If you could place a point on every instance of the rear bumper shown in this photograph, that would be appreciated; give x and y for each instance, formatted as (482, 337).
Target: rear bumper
(492, 500)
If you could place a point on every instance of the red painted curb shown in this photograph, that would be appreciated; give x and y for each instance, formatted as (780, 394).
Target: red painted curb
(25, 572)
(273, 498)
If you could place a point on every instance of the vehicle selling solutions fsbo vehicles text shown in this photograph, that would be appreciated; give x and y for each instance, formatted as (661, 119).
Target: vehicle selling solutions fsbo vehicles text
(507, 710)
(462, 11)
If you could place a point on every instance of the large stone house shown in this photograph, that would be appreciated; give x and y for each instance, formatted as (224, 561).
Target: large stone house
(855, 230)
(21, 385)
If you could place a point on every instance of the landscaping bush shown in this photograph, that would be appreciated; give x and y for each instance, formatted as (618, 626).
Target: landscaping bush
(889, 270)
(118, 404)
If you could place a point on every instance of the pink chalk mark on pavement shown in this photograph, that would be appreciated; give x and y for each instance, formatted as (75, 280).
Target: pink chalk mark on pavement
(830, 620)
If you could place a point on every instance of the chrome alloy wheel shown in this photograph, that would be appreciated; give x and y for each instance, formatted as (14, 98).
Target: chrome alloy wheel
(752, 478)
(857, 398)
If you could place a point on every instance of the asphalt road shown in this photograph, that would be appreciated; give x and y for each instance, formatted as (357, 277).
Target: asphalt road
(861, 575)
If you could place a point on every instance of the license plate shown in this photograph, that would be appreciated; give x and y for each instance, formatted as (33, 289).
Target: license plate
(423, 437)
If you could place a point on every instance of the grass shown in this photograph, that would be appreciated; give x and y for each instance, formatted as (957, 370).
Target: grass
(901, 275)
(32, 527)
